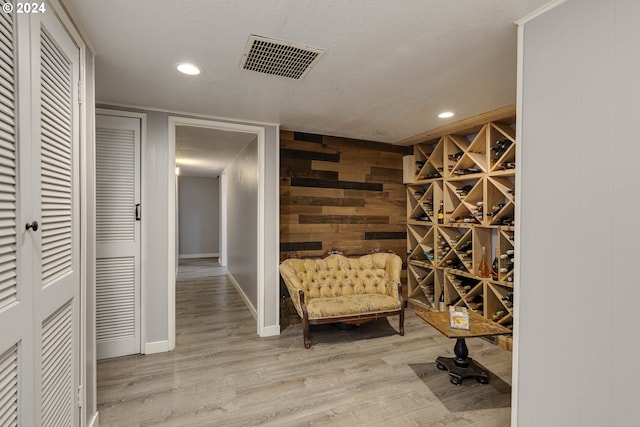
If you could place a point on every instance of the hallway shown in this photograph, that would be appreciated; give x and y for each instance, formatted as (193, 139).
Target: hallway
(222, 374)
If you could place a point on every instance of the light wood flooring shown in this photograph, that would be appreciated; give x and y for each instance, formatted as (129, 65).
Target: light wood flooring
(222, 374)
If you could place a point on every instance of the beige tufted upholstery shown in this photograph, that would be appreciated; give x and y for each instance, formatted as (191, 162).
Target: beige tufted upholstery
(337, 286)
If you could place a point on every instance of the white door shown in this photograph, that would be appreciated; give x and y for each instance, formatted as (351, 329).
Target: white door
(17, 249)
(39, 219)
(55, 108)
(118, 214)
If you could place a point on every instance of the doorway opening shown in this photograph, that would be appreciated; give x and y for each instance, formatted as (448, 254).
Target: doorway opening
(241, 183)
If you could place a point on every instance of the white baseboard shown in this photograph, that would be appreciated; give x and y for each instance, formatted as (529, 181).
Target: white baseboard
(270, 331)
(95, 420)
(190, 256)
(156, 347)
(252, 309)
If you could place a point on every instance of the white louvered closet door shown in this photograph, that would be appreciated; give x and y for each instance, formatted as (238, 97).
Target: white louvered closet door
(117, 236)
(55, 67)
(16, 244)
(39, 222)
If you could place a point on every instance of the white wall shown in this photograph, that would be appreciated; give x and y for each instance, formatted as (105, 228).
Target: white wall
(577, 322)
(199, 219)
(242, 220)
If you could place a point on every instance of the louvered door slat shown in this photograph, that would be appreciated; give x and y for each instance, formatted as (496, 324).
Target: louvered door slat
(54, 132)
(7, 174)
(5, 113)
(6, 88)
(115, 298)
(57, 359)
(9, 387)
(6, 28)
(115, 185)
(56, 163)
(53, 155)
(8, 189)
(54, 117)
(56, 89)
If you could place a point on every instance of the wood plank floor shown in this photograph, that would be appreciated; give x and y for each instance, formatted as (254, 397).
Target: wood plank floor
(222, 374)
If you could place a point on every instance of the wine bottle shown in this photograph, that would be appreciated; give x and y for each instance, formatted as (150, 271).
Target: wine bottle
(508, 221)
(495, 209)
(464, 190)
(455, 156)
(441, 213)
(483, 268)
(508, 300)
(441, 304)
(454, 263)
(466, 246)
(495, 266)
(498, 315)
(508, 268)
(479, 210)
(475, 303)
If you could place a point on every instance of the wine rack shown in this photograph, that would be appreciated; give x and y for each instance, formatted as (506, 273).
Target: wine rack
(461, 204)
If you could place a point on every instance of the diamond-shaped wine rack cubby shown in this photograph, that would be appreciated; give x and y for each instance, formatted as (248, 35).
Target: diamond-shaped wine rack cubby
(499, 304)
(428, 159)
(502, 147)
(460, 205)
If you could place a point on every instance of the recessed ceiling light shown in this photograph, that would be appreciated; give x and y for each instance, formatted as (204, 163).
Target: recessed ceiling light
(445, 115)
(188, 68)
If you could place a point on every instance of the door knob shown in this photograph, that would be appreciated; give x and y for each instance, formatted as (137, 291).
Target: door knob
(33, 225)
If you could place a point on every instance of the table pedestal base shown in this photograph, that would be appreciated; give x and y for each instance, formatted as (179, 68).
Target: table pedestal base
(462, 366)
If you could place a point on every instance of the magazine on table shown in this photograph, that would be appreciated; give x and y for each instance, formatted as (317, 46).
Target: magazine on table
(459, 317)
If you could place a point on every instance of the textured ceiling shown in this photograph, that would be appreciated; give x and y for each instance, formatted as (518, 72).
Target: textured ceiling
(390, 66)
(206, 152)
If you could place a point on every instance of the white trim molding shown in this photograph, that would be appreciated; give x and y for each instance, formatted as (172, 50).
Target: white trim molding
(156, 347)
(517, 216)
(270, 331)
(195, 256)
(202, 117)
(244, 296)
(95, 420)
(539, 11)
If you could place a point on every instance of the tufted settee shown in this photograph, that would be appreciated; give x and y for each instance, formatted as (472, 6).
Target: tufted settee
(341, 289)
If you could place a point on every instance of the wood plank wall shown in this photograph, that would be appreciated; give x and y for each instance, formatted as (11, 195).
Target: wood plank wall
(340, 193)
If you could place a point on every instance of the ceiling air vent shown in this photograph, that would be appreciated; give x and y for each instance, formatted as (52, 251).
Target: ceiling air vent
(279, 58)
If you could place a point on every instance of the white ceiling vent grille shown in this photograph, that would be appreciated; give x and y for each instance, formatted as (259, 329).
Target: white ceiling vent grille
(279, 58)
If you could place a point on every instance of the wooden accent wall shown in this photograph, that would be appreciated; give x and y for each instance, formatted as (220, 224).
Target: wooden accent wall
(340, 193)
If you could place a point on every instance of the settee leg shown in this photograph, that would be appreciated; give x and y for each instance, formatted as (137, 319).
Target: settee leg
(401, 323)
(305, 319)
(307, 341)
